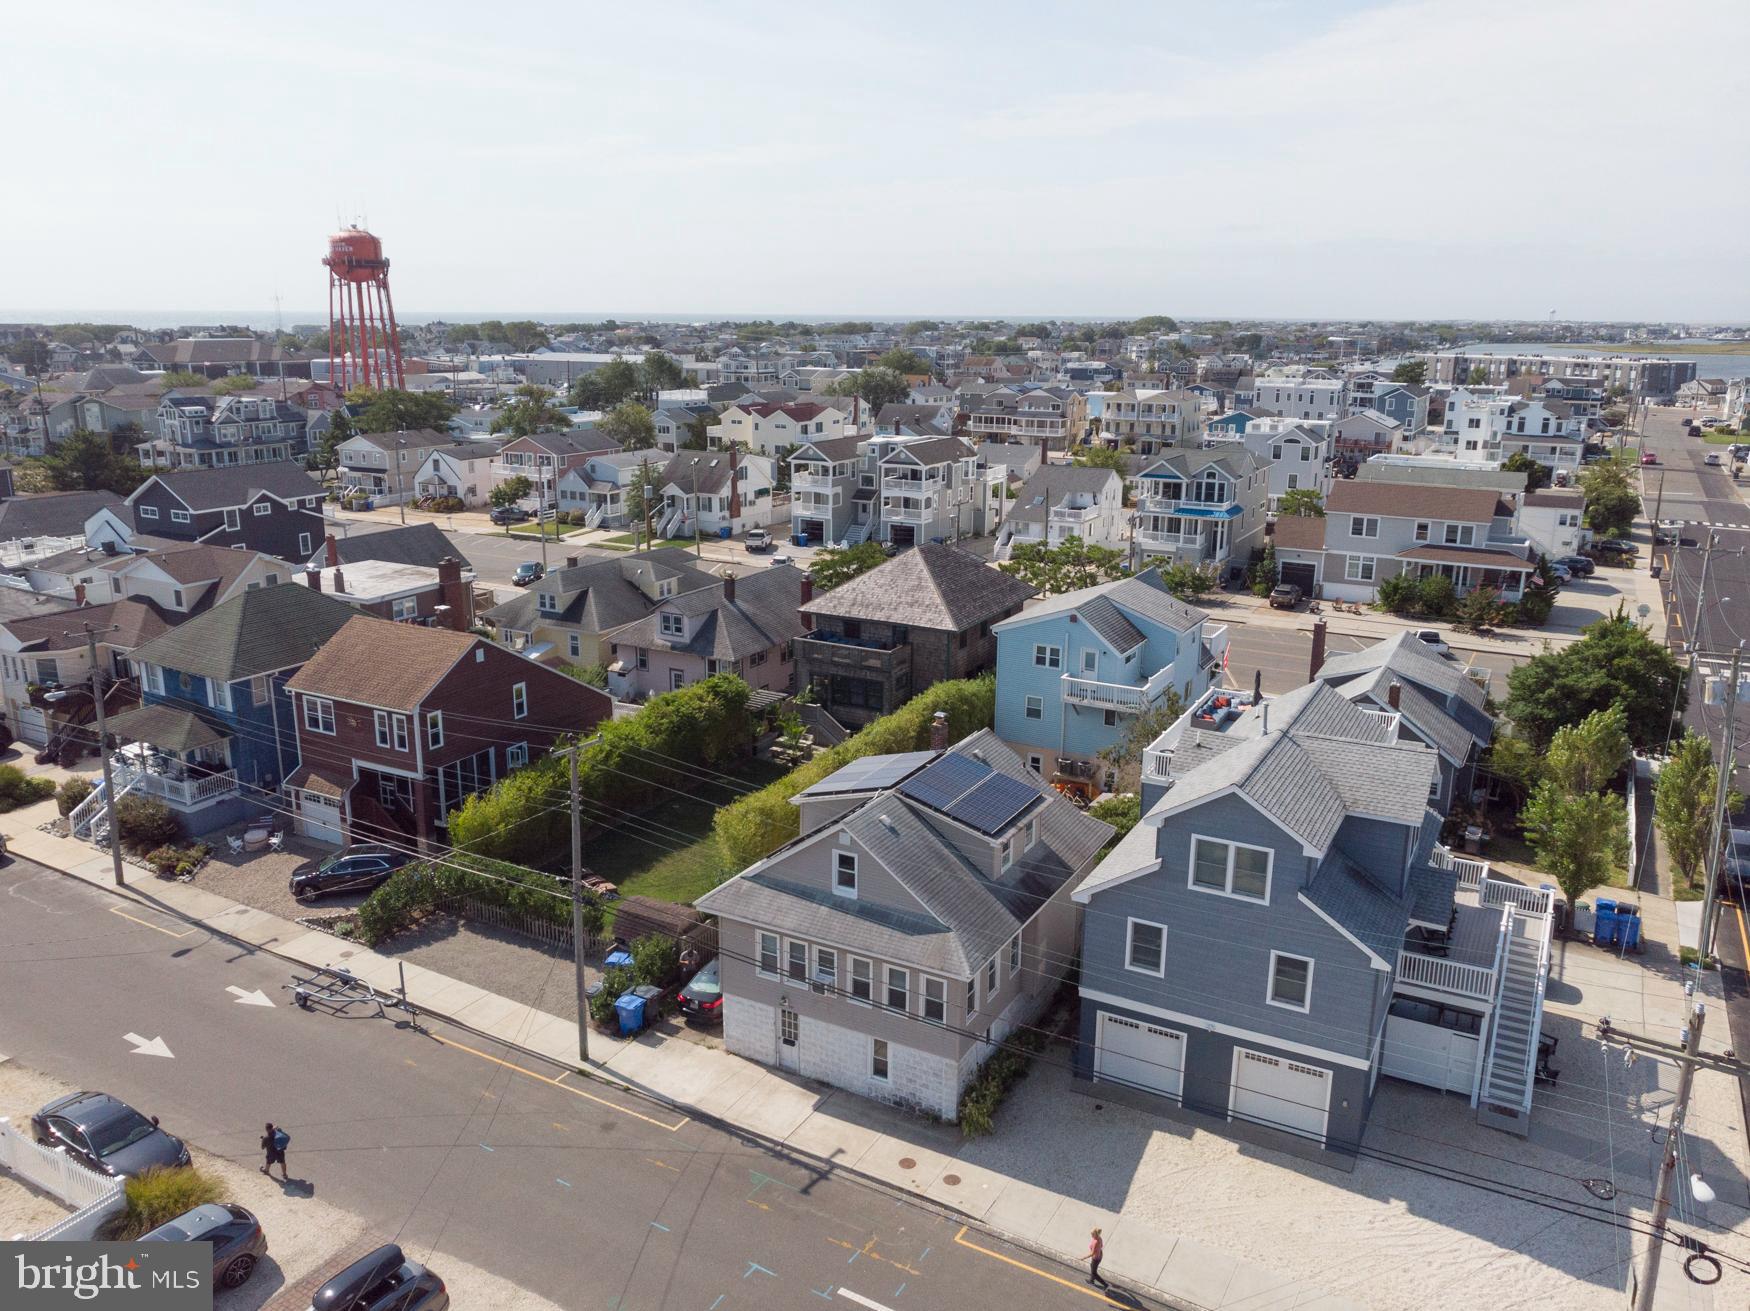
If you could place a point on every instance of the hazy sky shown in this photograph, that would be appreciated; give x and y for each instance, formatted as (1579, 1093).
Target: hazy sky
(1497, 157)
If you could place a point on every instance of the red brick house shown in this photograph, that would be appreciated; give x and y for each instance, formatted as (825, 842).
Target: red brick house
(398, 724)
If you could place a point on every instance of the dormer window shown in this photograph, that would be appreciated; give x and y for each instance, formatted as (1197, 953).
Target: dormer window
(844, 875)
(547, 603)
(665, 588)
(673, 625)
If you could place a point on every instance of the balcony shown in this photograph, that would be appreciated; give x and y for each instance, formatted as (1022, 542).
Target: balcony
(1072, 519)
(830, 652)
(910, 486)
(1126, 698)
(188, 793)
(802, 482)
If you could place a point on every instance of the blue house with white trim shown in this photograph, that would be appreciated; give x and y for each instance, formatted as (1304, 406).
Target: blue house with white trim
(1075, 671)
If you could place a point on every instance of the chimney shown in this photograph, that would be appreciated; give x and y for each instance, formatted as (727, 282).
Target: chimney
(570, 562)
(78, 593)
(734, 485)
(339, 582)
(939, 731)
(729, 587)
(313, 577)
(454, 595)
(1318, 650)
(807, 596)
(333, 552)
(1394, 694)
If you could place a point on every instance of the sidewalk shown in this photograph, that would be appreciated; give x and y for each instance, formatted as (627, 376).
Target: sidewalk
(836, 1129)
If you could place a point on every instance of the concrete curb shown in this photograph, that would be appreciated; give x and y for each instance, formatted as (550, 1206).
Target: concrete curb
(817, 1164)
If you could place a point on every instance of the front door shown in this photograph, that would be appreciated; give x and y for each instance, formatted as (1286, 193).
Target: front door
(789, 1040)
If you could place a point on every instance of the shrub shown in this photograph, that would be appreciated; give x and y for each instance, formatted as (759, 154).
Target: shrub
(763, 821)
(71, 792)
(615, 983)
(172, 861)
(158, 1194)
(19, 789)
(656, 960)
(1123, 811)
(415, 888)
(146, 823)
(1007, 1066)
(163, 860)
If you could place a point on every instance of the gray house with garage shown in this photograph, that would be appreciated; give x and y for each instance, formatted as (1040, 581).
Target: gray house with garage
(921, 916)
(1284, 926)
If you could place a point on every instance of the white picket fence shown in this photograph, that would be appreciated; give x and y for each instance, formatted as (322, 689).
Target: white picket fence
(94, 1197)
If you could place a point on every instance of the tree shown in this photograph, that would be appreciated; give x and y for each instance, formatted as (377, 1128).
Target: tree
(1612, 504)
(324, 457)
(531, 410)
(1064, 568)
(834, 566)
(1579, 839)
(180, 378)
(87, 461)
(644, 492)
(1125, 755)
(699, 437)
(1536, 475)
(1152, 323)
(1614, 416)
(1584, 757)
(630, 424)
(234, 383)
(1306, 502)
(1478, 609)
(876, 387)
(917, 326)
(1683, 804)
(1477, 377)
(510, 491)
(660, 372)
(1414, 372)
(1105, 457)
(393, 410)
(1190, 582)
(1614, 663)
(1515, 762)
(903, 361)
(28, 354)
(1264, 570)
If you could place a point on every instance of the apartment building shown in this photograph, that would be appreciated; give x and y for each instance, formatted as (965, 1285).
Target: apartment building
(1642, 376)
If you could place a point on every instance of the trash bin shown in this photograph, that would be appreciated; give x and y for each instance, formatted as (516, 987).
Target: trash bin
(630, 1009)
(1606, 925)
(1656, 571)
(1629, 931)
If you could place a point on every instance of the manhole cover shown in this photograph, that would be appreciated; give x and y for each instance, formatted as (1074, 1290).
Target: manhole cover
(906, 1163)
(952, 1180)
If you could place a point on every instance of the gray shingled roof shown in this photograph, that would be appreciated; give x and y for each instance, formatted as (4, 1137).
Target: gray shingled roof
(1421, 712)
(1278, 776)
(1410, 658)
(1142, 594)
(1050, 485)
(1111, 623)
(258, 632)
(931, 586)
(228, 486)
(1388, 781)
(1361, 906)
(762, 615)
(54, 514)
(416, 543)
(174, 728)
(1311, 708)
(603, 594)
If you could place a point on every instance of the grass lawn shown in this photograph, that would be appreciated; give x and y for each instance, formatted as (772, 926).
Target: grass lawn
(628, 541)
(1509, 848)
(1721, 437)
(669, 852)
(553, 532)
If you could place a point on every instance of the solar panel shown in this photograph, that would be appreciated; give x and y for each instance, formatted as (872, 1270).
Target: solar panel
(993, 805)
(950, 776)
(870, 774)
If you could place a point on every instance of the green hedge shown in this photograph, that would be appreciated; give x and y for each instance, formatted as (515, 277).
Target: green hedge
(20, 789)
(1007, 1066)
(417, 887)
(525, 818)
(763, 821)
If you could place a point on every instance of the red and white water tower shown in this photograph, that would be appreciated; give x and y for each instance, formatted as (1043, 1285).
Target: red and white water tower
(364, 345)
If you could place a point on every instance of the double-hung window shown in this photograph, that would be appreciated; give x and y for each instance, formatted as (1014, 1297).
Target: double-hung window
(1363, 525)
(318, 714)
(218, 694)
(1145, 948)
(990, 977)
(1461, 534)
(862, 980)
(519, 701)
(826, 969)
(434, 728)
(1230, 868)
(1034, 707)
(898, 989)
(1290, 981)
(1360, 568)
(768, 953)
(1014, 955)
(1047, 657)
(935, 1001)
(673, 625)
(798, 961)
(878, 1059)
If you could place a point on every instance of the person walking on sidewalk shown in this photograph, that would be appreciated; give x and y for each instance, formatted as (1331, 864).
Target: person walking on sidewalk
(1096, 1251)
(274, 1142)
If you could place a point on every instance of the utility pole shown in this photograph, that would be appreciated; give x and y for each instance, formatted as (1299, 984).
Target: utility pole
(1701, 589)
(1688, 1056)
(115, 835)
(1658, 505)
(541, 511)
(577, 901)
(1710, 907)
(698, 529)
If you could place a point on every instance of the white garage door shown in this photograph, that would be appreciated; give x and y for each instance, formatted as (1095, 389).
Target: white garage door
(1283, 1094)
(1143, 1055)
(319, 819)
(32, 725)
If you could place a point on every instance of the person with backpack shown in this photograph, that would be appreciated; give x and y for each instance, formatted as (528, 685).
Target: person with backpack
(274, 1142)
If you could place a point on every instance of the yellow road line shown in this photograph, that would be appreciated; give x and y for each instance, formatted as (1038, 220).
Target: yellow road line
(576, 1092)
(145, 924)
(1743, 936)
(1072, 1284)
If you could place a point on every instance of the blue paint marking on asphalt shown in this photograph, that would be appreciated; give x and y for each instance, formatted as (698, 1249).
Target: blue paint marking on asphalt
(755, 1265)
(926, 1252)
(854, 1256)
(899, 1290)
(719, 1301)
(827, 1295)
(485, 1148)
(654, 1225)
(560, 1181)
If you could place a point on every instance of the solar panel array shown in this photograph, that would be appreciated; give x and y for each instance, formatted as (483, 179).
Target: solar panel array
(948, 778)
(870, 774)
(971, 792)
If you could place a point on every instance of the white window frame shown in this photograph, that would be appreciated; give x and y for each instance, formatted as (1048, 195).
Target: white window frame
(233, 520)
(790, 960)
(1459, 534)
(1270, 982)
(1227, 889)
(1014, 955)
(380, 721)
(519, 700)
(1360, 568)
(1130, 926)
(992, 981)
(888, 974)
(880, 1060)
(218, 694)
(673, 625)
(865, 977)
(575, 645)
(398, 726)
(1359, 525)
(1047, 656)
(146, 511)
(1033, 708)
(180, 516)
(322, 706)
(826, 969)
(516, 755)
(844, 862)
(434, 729)
(761, 938)
(261, 509)
(935, 998)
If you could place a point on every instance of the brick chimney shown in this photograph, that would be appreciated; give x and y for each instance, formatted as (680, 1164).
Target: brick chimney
(454, 593)
(728, 587)
(1394, 694)
(333, 551)
(1318, 650)
(313, 577)
(939, 731)
(78, 593)
(571, 561)
(807, 596)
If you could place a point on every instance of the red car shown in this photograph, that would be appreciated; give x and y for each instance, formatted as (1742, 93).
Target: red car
(1649, 458)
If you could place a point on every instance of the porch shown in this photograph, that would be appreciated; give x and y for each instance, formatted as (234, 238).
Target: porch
(175, 755)
(1126, 698)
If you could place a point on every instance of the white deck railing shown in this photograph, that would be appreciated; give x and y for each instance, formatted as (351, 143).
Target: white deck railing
(190, 791)
(1443, 975)
(1471, 873)
(1501, 892)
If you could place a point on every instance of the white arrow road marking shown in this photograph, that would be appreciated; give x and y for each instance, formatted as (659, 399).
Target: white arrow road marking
(148, 1046)
(256, 998)
(860, 1300)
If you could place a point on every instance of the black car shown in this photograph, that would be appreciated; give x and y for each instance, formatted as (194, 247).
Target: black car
(383, 1281)
(1578, 565)
(529, 571)
(106, 1134)
(506, 514)
(702, 998)
(238, 1243)
(354, 869)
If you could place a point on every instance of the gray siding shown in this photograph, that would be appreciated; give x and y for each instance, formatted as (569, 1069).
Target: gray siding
(1380, 849)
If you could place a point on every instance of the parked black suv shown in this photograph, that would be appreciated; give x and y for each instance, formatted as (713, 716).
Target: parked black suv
(355, 869)
(383, 1281)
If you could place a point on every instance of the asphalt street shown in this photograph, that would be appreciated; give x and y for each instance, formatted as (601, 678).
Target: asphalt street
(1284, 655)
(454, 1145)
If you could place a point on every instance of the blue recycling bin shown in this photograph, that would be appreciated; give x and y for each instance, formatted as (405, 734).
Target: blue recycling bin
(1629, 927)
(630, 1009)
(800, 539)
(618, 958)
(723, 533)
